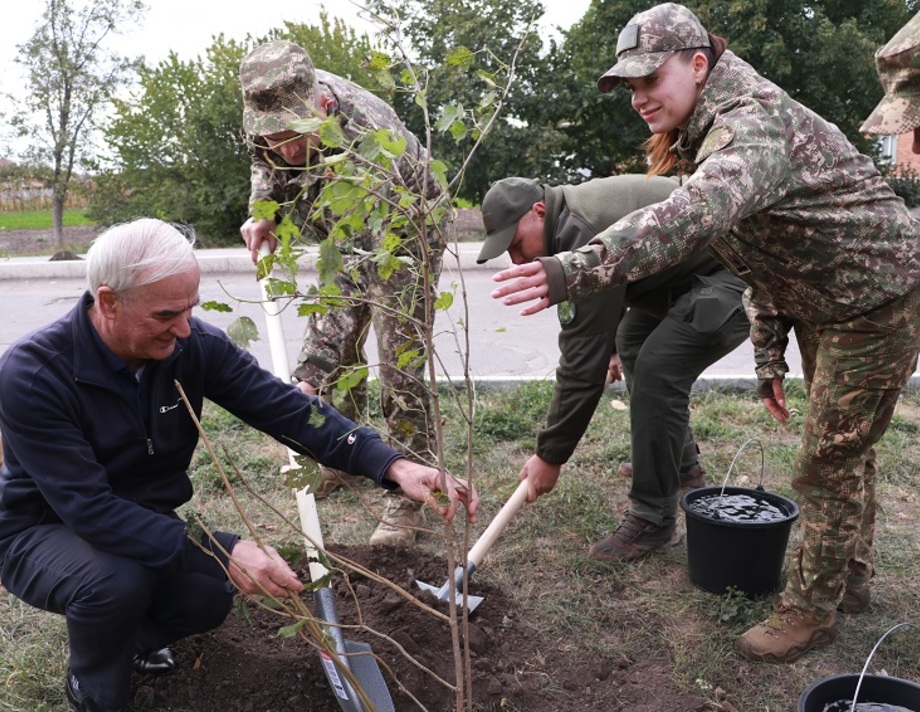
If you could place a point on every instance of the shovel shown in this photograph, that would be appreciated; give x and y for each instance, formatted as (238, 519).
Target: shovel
(349, 654)
(478, 552)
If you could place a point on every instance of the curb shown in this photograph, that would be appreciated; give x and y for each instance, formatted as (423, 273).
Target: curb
(223, 261)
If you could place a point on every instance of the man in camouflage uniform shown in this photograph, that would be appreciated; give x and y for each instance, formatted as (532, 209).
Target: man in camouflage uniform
(281, 85)
(785, 201)
(898, 65)
(678, 322)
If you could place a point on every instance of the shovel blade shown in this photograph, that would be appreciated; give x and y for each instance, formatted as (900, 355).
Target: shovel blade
(354, 655)
(442, 593)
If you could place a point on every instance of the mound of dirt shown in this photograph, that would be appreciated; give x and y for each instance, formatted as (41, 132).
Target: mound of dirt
(246, 666)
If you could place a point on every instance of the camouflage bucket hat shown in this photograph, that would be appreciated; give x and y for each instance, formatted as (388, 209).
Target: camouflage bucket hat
(650, 38)
(506, 202)
(278, 82)
(898, 65)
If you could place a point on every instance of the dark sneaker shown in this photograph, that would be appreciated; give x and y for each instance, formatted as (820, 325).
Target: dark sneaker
(633, 539)
(787, 635)
(691, 476)
(856, 597)
(156, 662)
(333, 479)
(80, 701)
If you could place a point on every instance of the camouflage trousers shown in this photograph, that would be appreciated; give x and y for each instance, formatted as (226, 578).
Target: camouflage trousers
(854, 372)
(334, 347)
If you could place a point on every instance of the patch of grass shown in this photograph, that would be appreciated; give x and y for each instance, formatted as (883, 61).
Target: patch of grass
(648, 608)
(40, 219)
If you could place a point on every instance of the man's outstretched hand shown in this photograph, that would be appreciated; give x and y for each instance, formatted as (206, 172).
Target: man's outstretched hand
(530, 284)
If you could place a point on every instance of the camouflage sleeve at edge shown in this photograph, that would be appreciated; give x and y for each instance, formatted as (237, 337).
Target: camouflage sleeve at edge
(769, 335)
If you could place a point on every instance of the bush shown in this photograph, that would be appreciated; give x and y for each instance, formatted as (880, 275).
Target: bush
(905, 182)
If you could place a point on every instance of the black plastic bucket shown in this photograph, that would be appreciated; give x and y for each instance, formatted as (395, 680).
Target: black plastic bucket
(747, 556)
(880, 689)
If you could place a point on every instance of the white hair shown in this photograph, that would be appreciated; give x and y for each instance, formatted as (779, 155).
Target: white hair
(136, 253)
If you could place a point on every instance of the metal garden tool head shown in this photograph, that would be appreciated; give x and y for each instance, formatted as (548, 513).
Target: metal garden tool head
(479, 551)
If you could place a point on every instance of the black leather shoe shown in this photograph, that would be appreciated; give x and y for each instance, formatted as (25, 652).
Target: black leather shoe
(78, 698)
(156, 662)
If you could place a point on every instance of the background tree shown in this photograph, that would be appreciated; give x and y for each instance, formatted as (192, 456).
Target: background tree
(821, 53)
(70, 77)
(493, 30)
(176, 143)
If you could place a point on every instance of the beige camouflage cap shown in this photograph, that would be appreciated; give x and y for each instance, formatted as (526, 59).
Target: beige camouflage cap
(650, 38)
(278, 81)
(898, 65)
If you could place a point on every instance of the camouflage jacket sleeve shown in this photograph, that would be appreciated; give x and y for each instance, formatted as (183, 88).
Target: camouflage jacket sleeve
(742, 170)
(769, 335)
(260, 178)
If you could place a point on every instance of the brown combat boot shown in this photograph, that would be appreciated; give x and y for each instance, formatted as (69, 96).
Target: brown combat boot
(634, 539)
(401, 518)
(856, 596)
(691, 477)
(787, 635)
(333, 479)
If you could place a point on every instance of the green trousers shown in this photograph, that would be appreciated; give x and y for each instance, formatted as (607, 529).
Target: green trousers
(662, 356)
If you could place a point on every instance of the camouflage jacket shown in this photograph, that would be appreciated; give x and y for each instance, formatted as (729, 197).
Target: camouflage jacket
(782, 198)
(297, 189)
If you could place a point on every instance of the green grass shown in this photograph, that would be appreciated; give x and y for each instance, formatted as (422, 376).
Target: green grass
(40, 219)
(601, 611)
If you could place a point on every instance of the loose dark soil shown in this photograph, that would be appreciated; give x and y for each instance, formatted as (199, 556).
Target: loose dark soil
(246, 666)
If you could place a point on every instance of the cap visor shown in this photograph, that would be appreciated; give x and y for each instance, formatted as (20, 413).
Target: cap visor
(496, 244)
(892, 116)
(637, 65)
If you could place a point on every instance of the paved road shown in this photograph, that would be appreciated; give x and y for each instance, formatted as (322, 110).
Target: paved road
(502, 344)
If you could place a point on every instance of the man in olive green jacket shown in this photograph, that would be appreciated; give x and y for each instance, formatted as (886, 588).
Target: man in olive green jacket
(678, 323)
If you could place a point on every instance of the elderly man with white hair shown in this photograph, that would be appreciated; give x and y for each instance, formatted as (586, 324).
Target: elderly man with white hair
(96, 444)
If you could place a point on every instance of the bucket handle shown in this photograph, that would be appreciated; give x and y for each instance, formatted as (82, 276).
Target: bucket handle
(735, 459)
(869, 659)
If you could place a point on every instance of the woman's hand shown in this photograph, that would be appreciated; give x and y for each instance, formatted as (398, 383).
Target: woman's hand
(776, 402)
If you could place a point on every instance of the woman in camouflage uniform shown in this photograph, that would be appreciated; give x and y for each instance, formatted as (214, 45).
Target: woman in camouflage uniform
(784, 200)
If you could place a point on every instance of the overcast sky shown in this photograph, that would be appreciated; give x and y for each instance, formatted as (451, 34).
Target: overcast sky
(187, 26)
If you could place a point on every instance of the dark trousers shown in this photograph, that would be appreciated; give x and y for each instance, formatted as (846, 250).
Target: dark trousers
(662, 356)
(115, 607)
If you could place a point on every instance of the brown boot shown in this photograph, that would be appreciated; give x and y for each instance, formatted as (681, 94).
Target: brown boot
(633, 539)
(333, 479)
(401, 518)
(787, 635)
(691, 476)
(856, 596)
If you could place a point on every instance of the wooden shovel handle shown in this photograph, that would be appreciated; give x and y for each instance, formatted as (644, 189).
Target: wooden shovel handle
(306, 503)
(313, 535)
(514, 504)
(273, 325)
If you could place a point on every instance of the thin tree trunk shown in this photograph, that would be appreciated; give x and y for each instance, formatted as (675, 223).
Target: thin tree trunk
(57, 221)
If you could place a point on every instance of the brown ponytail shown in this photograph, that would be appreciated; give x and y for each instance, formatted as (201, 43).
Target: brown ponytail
(657, 147)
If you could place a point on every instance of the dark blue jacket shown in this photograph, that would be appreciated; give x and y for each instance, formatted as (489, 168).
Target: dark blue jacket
(85, 444)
